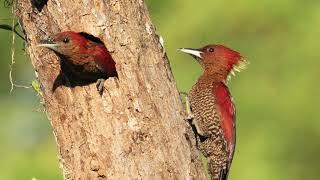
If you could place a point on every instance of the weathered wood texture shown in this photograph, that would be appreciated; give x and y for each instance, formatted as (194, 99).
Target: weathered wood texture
(136, 130)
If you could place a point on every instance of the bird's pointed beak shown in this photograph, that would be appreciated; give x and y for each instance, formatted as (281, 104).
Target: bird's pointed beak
(48, 44)
(193, 52)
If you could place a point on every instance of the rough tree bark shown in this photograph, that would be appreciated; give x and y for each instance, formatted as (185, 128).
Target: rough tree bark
(136, 130)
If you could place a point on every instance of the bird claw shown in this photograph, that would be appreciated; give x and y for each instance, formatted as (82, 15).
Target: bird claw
(99, 85)
(190, 116)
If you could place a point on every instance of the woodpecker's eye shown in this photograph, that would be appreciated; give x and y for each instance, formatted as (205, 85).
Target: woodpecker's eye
(210, 49)
(66, 40)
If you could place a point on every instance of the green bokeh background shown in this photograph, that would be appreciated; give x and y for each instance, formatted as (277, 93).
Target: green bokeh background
(277, 97)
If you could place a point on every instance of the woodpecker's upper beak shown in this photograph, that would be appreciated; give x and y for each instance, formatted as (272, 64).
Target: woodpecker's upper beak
(193, 52)
(48, 44)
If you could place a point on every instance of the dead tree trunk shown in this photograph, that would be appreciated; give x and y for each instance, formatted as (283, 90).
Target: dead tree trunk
(136, 130)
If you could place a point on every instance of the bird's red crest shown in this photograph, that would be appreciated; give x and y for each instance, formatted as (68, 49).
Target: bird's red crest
(220, 55)
(223, 59)
(77, 38)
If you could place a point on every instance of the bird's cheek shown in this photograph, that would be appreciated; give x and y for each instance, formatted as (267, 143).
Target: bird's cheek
(209, 61)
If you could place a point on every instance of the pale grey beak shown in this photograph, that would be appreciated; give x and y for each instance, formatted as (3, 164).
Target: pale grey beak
(193, 52)
(50, 46)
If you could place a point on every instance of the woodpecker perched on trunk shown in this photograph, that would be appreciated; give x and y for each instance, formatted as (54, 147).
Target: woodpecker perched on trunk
(85, 56)
(212, 108)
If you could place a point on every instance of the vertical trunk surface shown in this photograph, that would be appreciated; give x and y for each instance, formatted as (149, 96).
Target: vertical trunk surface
(136, 130)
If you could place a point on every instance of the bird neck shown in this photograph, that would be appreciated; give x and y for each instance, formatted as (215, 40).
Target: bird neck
(213, 75)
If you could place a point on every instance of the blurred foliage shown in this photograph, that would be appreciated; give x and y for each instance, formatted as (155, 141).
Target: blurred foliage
(277, 121)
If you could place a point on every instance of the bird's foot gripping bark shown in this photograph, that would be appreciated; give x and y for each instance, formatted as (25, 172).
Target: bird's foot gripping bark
(190, 116)
(99, 85)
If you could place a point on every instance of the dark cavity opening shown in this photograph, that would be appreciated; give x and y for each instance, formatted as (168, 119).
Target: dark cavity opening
(39, 4)
(91, 37)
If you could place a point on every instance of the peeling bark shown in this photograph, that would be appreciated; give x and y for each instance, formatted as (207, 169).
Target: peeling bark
(136, 130)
